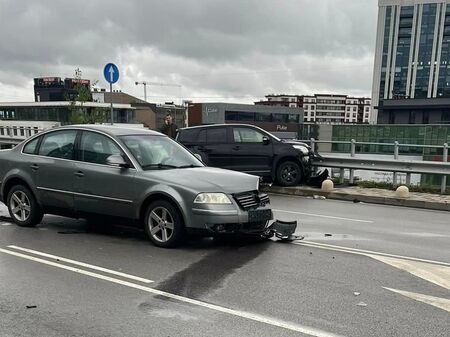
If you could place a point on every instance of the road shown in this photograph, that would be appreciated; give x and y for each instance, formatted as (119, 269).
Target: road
(362, 270)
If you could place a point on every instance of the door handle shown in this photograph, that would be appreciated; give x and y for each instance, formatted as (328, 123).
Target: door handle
(236, 148)
(34, 167)
(79, 174)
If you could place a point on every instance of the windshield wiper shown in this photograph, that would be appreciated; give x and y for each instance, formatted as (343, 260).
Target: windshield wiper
(159, 166)
(188, 166)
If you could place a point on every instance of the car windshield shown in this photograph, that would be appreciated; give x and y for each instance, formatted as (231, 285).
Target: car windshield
(159, 152)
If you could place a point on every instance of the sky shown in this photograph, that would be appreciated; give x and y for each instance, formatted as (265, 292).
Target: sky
(217, 50)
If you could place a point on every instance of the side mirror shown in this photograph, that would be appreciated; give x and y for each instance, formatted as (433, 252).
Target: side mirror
(199, 157)
(117, 160)
(266, 140)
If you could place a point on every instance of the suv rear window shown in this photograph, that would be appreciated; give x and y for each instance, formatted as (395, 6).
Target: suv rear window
(188, 136)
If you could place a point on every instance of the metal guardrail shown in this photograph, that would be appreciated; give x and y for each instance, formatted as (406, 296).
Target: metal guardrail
(394, 165)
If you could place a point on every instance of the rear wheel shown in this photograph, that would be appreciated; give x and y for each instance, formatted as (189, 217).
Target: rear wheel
(23, 207)
(164, 224)
(289, 173)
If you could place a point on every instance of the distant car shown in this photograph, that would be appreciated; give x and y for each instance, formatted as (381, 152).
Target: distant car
(250, 149)
(91, 171)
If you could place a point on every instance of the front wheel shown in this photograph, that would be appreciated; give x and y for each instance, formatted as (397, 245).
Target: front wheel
(289, 173)
(164, 224)
(22, 207)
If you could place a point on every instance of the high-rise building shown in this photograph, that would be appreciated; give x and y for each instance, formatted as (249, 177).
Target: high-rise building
(412, 61)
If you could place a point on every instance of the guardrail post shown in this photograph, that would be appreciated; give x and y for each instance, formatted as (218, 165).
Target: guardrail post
(312, 144)
(396, 155)
(408, 179)
(352, 154)
(444, 178)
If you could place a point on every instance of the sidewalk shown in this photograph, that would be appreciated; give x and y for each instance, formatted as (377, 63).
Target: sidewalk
(370, 195)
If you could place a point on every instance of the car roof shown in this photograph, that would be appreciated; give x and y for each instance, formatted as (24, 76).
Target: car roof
(219, 125)
(113, 130)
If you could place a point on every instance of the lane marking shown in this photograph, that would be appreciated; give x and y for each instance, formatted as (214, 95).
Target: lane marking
(438, 302)
(82, 264)
(243, 314)
(323, 216)
(439, 275)
(365, 252)
(6, 224)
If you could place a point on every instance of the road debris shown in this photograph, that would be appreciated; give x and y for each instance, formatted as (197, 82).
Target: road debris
(356, 293)
(328, 234)
(31, 306)
(283, 230)
(362, 304)
(319, 197)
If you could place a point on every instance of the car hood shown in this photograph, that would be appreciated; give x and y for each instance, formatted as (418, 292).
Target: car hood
(206, 179)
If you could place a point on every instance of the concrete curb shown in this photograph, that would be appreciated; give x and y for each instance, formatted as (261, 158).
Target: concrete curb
(418, 200)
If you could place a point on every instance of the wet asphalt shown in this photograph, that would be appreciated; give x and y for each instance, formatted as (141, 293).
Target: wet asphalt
(286, 284)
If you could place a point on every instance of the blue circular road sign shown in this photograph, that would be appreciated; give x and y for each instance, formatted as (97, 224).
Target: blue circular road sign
(111, 73)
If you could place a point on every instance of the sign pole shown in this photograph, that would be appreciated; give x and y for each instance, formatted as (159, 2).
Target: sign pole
(111, 99)
(111, 73)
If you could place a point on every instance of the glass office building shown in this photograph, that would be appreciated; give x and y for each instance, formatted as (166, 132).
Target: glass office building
(412, 59)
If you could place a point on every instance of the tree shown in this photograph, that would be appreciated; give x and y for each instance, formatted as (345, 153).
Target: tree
(78, 114)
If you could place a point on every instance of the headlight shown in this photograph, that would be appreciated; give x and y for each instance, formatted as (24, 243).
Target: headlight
(212, 198)
(302, 149)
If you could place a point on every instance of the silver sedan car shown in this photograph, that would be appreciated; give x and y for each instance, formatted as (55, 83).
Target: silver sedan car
(137, 174)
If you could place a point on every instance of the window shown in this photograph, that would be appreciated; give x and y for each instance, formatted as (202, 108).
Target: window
(217, 135)
(354, 108)
(30, 148)
(312, 107)
(58, 144)
(246, 135)
(96, 148)
(188, 136)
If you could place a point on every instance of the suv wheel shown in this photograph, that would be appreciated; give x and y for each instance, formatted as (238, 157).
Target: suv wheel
(23, 207)
(164, 224)
(289, 173)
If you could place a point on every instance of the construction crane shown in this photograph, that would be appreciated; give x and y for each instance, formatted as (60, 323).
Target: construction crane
(156, 83)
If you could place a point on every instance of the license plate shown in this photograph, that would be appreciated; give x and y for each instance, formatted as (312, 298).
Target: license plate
(259, 215)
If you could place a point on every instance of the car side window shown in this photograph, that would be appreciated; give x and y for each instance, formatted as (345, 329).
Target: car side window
(30, 148)
(216, 135)
(59, 144)
(201, 137)
(96, 148)
(246, 135)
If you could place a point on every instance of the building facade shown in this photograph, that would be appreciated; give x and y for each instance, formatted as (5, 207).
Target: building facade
(54, 89)
(281, 121)
(412, 58)
(325, 108)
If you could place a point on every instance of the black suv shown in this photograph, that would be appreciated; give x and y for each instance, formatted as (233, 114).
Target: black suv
(249, 149)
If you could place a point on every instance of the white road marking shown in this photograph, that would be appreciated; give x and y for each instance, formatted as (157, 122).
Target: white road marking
(439, 275)
(243, 314)
(323, 216)
(365, 252)
(82, 264)
(438, 302)
(6, 224)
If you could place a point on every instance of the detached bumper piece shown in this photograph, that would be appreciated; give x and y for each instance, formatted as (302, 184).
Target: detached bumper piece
(283, 230)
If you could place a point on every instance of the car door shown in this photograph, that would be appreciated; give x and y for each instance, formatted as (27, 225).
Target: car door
(53, 167)
(101, 188)
(251, 154)
(216, 148)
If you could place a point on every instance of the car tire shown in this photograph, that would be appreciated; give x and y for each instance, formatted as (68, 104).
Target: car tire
(164, 224)
(23, 207)
(289, 173)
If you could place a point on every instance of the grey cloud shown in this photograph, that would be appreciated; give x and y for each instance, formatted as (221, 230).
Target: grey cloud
(222, 47)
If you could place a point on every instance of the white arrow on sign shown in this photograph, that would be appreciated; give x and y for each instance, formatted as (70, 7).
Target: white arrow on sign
(111, 73)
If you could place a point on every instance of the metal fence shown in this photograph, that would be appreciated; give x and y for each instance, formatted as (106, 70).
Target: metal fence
(395, 165)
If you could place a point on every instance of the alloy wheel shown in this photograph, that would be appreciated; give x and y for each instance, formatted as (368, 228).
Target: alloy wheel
(161, 224)
(20, 206)
(289, 173)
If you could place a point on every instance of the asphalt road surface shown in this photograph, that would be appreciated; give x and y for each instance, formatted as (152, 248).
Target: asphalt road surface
(362, 270)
